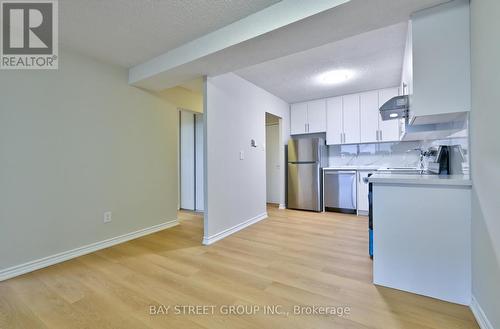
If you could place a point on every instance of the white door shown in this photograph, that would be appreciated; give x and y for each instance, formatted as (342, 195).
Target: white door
(389, 130)
(316, 116)
(351, 119)
(334, 128)
(187, 161)
(298, 118)
(273, 165)
(199, 200)
(369, 115)
(362, 191)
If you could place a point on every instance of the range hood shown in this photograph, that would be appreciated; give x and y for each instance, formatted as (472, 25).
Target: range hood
(454, 129)
(398, 108)
(395, 108)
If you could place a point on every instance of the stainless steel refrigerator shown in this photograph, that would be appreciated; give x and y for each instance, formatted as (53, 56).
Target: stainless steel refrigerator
(306, 158)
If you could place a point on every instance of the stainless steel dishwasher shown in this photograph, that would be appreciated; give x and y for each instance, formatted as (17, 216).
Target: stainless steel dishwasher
(340, 191)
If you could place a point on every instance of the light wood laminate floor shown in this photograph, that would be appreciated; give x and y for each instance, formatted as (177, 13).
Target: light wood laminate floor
(291, 258)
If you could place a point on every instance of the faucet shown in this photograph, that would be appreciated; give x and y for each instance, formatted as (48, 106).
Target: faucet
(423, 153)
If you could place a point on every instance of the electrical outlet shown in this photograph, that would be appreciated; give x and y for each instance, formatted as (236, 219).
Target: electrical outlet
(108, 216)
(242, 155)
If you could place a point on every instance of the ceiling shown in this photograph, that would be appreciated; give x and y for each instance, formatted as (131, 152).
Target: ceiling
(195, 85)
(341, 22)
(129, 32)
(132, 32)
(375, 57)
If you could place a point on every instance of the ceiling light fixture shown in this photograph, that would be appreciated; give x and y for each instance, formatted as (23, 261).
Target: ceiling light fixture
(393, 115)
(335, 77)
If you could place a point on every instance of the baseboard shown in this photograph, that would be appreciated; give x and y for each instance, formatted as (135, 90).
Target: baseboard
(362, 213)
(234, 229)
(479, 314)
(281, 206)
(80, 251)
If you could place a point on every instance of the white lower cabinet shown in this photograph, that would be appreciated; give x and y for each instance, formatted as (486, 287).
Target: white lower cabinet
(363, 192)
(422, 238)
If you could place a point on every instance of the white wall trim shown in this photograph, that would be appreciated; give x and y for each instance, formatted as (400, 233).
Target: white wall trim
(80, 251)
(281, 206)
(479, 314)
(221, 235)
(362, 213)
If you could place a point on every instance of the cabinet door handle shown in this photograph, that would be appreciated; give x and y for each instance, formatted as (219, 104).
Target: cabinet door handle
(305, 127)
(377, 135)
(380, 135)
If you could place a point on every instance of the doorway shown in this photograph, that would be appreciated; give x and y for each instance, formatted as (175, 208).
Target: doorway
(191, 195)
(274, 161)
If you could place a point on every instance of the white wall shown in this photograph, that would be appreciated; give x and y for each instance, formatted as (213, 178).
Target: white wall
(235, 114)
(74, 143)
(485, 156)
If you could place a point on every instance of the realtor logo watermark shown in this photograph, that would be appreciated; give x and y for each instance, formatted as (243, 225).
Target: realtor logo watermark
(29, 34)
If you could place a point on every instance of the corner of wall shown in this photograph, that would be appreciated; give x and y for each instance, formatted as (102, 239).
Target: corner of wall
(481, 318)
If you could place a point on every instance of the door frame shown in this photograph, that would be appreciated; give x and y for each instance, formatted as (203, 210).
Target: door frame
(196, 207)
(281, 155)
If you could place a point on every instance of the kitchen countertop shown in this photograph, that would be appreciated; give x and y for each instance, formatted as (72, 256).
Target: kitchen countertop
(449, 180)
(361, 167)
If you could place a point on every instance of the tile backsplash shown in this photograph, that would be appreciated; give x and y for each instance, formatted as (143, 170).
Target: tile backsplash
(397, 154)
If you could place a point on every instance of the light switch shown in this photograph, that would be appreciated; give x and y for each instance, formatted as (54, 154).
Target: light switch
(242, 155)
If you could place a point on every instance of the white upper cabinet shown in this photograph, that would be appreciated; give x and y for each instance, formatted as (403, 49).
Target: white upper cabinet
(334, 126)
(369, 116)
(298, 118)
(316, 116)
(308, 117)
(389, 131)
(373, 128)
(441, 63)
(406, 86)
(351, 118)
